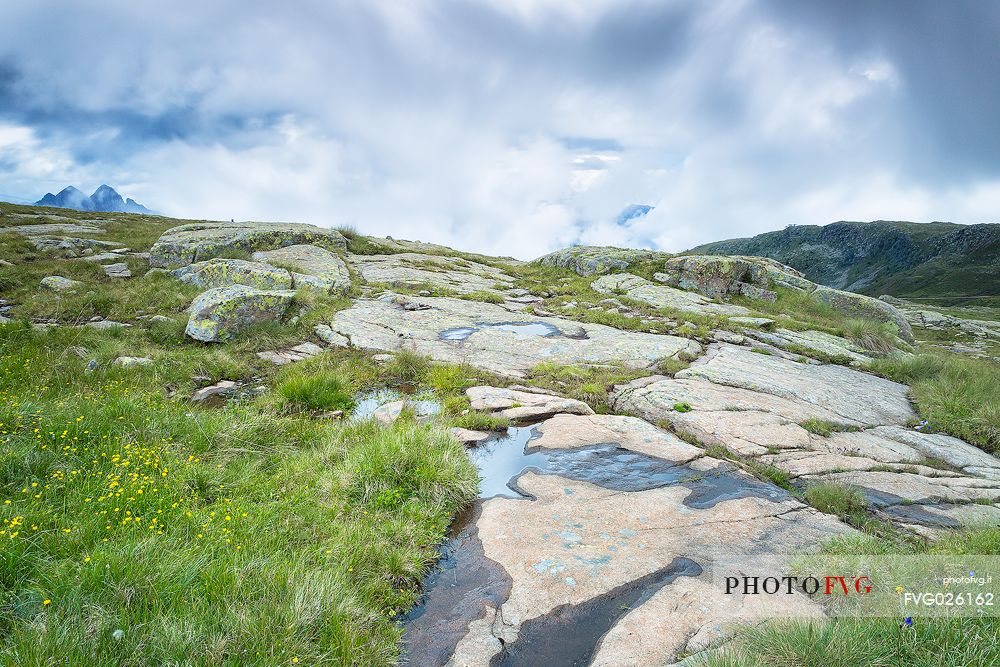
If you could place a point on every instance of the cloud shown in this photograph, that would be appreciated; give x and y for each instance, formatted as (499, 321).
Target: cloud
(510, 127)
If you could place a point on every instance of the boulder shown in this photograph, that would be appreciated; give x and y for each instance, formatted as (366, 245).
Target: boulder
(660, 296)
(859, 305)
(187, 244)
(312, 266)
(221, 313)
(468, 437)
(594, 260)
(523, 405)
(59, 283)
(225, 272)
(300, 352)
(220, 388)
(119, 270)
(717, 276)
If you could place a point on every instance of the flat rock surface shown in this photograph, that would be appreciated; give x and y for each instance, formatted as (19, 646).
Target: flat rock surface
(856, 396)
(496, 338)
(661, 296)
(606, 568)
(760, 406)
(523, 405)
(312, 266)
(200, 241)
(411, 269)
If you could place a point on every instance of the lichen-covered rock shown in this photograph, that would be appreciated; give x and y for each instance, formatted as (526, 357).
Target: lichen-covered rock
(717, 276)
(410, 269)
(59, 283)
(661, 296)
(187, 244)
(221, 313)
(225, 272)
(594, 260)
(859, 305)
(493, 337)
(313, 266)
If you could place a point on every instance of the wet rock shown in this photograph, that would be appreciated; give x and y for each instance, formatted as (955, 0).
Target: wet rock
(859, 305)
(119, 270)
(187, 244)
(468, 437)
(387, 413)
(522, 405)
(59, 283)
(300, 352)
(415, 269)
(127, 362)
(640, 289)
(219, 389)
(227, 272)
(478, 333)
(313, 266)
(594, 260)
(221, 313)
(581, 430)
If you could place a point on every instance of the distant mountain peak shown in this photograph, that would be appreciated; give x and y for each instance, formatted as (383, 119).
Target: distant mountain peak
(105, 199)
(633, 211)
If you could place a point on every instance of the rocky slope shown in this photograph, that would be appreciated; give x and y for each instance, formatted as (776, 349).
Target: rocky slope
(903, 259)
(598, 522)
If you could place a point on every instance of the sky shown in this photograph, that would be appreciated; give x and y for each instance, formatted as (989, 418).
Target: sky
(511, 127)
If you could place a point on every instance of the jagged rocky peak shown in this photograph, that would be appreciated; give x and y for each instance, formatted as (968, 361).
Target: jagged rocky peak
(104, 199)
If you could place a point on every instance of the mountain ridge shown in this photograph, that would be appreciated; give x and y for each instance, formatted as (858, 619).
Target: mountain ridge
(941, 260)
(104, 199)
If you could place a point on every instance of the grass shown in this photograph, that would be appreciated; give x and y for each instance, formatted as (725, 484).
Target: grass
(590, 384)
(319, 392)
(956, 395)
(880, 338)
(882, 642)
(244, 535)
(823, 427)
(830, 498)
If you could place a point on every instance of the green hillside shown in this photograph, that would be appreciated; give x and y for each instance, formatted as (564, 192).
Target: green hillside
(939, 262)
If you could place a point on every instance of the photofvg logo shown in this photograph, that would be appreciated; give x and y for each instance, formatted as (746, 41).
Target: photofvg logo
(790, 585)
(795, 586)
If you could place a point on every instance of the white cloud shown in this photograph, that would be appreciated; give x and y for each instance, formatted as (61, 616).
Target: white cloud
(507, 127)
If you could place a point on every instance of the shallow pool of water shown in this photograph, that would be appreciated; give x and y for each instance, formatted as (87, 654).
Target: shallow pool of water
(365, 404)
(502, 459)
(519, 329)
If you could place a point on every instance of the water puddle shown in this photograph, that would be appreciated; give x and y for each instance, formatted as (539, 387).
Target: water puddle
(456, 593)
(502, 460)
(422, 403)
(569, 635)
(519, 329)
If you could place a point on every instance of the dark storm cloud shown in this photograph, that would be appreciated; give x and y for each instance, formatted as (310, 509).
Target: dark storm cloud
(948, 56)
(485, 123)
